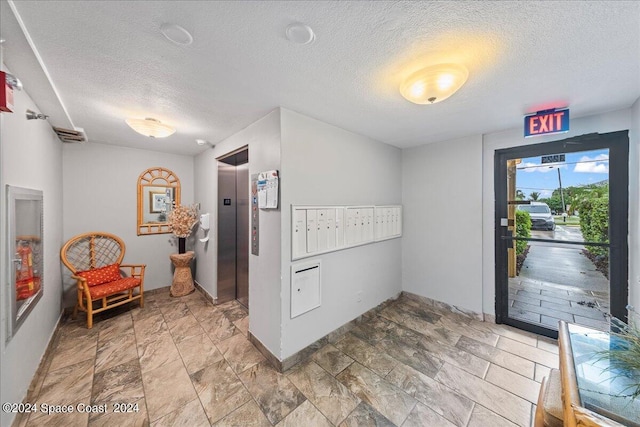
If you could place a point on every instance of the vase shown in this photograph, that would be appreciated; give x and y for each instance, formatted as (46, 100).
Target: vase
(182, 281)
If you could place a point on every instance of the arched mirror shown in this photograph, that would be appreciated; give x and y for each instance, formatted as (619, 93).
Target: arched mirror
(158, 192)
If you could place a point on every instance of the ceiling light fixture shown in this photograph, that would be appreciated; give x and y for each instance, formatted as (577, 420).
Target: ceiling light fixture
(176, 34)
(434, 84)
(300, 33)
(150, 127)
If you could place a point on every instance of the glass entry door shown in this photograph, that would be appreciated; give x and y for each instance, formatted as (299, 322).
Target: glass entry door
(561, 233)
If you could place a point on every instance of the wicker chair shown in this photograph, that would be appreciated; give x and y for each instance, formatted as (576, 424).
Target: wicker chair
(95, 262)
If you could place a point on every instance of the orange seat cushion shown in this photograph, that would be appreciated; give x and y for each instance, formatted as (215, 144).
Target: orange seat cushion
(98, 276)
(110, 288)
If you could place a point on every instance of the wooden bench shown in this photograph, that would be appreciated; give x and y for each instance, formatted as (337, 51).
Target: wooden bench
(95, 262)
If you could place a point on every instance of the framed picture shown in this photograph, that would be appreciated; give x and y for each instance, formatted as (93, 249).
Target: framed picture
(157, 202)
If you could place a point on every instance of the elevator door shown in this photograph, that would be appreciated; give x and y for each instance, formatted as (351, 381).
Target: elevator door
(233, 228)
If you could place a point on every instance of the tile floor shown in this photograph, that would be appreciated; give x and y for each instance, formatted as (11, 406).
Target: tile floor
(546, 303)
(185, 362)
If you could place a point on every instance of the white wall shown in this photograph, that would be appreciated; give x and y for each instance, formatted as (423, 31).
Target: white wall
(634, 207)
(442, 243)
(602, 123)
(323, 164)
(32, 158)
(100, 194)
(263, 140)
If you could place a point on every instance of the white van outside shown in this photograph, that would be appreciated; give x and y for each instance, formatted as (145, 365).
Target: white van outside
(541, 217)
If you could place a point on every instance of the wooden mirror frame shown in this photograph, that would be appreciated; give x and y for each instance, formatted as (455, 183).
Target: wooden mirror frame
(155, 177)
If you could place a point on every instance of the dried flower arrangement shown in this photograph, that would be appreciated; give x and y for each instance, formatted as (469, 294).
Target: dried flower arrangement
(182, 218)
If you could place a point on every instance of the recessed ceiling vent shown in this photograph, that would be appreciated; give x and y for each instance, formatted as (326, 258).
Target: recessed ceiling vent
(71, 136)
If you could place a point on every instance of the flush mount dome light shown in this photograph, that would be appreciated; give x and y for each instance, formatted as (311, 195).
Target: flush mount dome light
(434, 84)
(176, 34)
(300, 33)
(150, 127)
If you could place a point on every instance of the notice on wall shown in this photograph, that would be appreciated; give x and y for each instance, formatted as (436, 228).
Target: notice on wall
(268, 190)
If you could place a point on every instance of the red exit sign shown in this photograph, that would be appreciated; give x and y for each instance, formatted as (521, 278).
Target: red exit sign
(546, 122)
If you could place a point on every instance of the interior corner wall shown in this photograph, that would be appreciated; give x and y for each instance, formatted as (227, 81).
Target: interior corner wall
(442, 243)
(601, 123)
(100, 194)
(325, 165)
(31, 157)
(263, 140)
(634, 207)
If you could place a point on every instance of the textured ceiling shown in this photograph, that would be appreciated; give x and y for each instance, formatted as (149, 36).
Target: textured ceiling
(109, 61)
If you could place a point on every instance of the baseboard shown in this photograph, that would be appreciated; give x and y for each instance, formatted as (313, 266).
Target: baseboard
(265, 352)
(443, 305)
(213, 300)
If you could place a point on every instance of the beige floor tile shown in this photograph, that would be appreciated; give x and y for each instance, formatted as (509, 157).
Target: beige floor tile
(366, 416)
(132, 414)
(548, 344)
(190, 415)
(184, 328)
(541, 372)
(455, 356)
(248, 415)
(71, 350)
(242, 325)
(373, 330)
(418, 358)
(149, 328)
(528, 352)
(515, 383)
(174, 311)
(386, 398)
(482, 417)
(118, 349)
(331, 359)
(219, 389)
(488, 395)
(218, 326)
(198, 352)
(71, 383)
(438, 397)
(189, 363)
(167, 388)
(273, 392)
(333, 399)
(121, 383)
(505, 331)
(422, 415)
(499, 357)
(201, 310)
(484, 335)
(157, 352)
(366, 354)
(435, 332)
(240, 353)
(115, 326)
(305, 415)
(70, 419)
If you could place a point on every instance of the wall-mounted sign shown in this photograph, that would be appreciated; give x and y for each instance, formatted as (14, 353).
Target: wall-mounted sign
(553, 158)
(546, 122)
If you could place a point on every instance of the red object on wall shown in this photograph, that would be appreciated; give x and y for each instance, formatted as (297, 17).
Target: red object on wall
(26, 283)
(6, 94)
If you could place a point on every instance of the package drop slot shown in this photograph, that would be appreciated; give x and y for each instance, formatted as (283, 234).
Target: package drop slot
(305, 288)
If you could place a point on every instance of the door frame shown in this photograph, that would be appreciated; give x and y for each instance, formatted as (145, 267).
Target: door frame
(618, 145)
